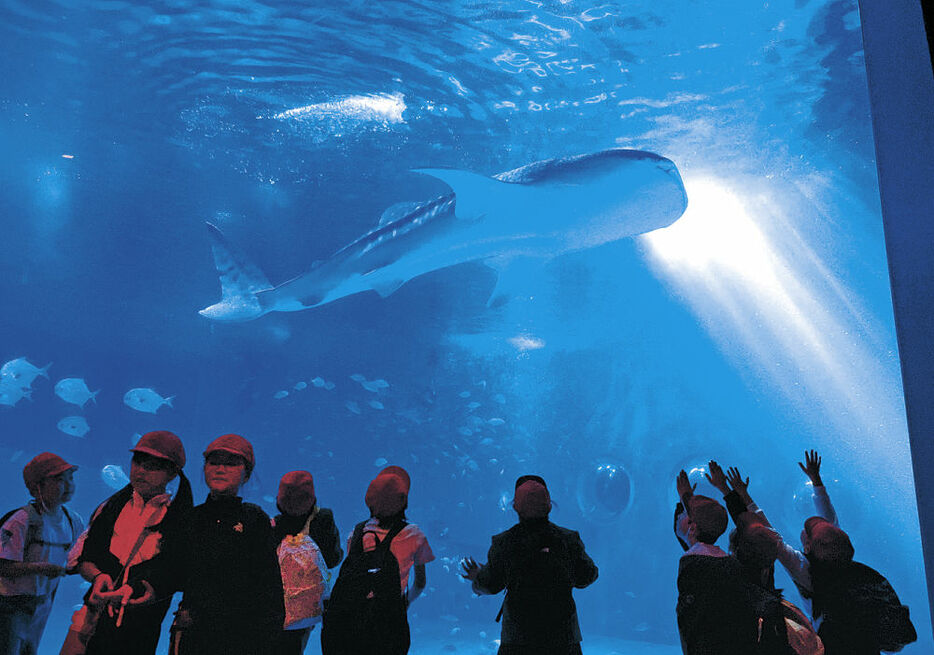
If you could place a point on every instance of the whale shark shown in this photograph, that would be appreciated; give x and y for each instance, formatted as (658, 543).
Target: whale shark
(543, 209)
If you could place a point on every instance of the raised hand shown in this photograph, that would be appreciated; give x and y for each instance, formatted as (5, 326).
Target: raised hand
(740, 486)
(811, 467)
(717, 478)
(470, 568)
(684, 487)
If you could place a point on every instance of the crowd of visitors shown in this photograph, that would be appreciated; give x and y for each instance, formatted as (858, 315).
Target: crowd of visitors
(251, 585)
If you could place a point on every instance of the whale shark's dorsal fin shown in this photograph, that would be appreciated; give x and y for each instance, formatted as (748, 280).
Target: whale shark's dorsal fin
(238, 276)
(471, 190)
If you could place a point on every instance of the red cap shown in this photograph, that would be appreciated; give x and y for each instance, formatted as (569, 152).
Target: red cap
(233, 443)
(386, 495)
(42, 466)
(532, 500)
(296, 493)
(162, 444)
(401, 472)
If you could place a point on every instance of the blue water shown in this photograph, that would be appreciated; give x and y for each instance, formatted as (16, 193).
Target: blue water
(757, 326)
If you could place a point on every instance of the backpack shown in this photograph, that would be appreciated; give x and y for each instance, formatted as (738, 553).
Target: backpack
(538, 587)
(802, 637)
(878, 605)
(853, 596)
(305, 579)
(34, 527)
(366, 612)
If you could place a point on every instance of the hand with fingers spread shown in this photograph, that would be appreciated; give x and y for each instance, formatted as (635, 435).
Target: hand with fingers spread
(740, 486)
(717, 478)
(811, 467)
(470, 568)
(684, 487)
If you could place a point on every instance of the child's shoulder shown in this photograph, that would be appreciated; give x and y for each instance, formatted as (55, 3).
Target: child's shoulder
(254, 513)
(19, 518)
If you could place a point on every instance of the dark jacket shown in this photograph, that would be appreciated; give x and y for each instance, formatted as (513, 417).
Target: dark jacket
(322, 530)
(538, 563)
(232, 587)
(714, 614)
(141, 626)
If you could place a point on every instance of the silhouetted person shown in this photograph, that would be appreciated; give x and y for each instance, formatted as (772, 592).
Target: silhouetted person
(539, 564)
(714, 614)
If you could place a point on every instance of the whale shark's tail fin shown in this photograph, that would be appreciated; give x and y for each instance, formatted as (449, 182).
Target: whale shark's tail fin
(240, 281)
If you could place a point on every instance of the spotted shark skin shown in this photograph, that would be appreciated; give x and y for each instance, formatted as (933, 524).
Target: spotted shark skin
(543, 209)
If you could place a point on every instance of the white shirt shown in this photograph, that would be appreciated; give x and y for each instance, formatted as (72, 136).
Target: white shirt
(55, 537)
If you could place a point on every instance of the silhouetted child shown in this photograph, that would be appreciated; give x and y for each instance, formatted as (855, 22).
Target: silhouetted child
(714, 615)
(232, 602)
(538, 564)
(795, 561)
(861, 612)
(309, 545)
(34, 544)
(367, 609)
(131, 552)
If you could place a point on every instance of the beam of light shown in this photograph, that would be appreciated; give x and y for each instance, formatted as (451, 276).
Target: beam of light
(775, 307)
(381, 107)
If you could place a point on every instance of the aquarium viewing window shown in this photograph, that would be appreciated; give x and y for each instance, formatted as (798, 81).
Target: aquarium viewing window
(598, 242)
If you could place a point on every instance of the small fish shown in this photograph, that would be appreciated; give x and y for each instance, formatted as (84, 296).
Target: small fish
(145, 400)
(496, 421)
(75, 391)
(380, 384)
(22, 372)
(641, 627)
(16, 455)
(114, 477)
(318, 382)
(380, 461)
(486, 441)
(300, 385)
(329, 385)
(464, 394)
(472, 406)
(356, 377)
(465, 431)
(352, 406)
(370, 386)
(279, 395)
(269, 499)
(375, 404)
(75, 426)
(524, 343)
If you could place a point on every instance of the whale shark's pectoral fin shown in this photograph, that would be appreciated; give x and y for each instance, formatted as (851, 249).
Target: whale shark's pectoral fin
(240, 281)
(474, 193)
(387, 287)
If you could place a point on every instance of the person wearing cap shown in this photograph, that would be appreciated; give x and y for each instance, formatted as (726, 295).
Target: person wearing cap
(301, 515)
(387, 498)
(131, 553)
(713, 612)
(34, 544)
(538, 564)
(232, 602)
